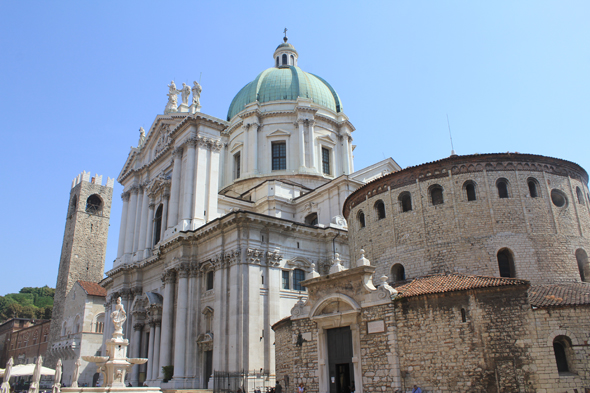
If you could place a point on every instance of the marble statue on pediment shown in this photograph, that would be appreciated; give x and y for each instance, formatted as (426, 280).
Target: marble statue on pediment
(172, 98)
(196, 105)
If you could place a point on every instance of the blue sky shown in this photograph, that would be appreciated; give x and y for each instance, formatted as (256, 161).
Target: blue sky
(78, 79)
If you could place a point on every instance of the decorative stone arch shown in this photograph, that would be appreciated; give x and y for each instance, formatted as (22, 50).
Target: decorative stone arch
(562, 332)
(323, 305)
(299, 262)
(583, 265)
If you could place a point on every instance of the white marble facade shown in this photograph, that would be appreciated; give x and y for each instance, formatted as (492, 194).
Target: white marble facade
(219, 225)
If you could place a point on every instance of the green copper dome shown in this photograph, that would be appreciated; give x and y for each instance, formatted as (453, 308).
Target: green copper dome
(285, 83)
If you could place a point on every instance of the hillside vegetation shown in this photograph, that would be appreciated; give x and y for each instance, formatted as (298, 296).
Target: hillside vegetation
(28, 303)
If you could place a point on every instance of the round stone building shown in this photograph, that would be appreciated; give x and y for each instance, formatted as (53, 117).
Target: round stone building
(511, 215)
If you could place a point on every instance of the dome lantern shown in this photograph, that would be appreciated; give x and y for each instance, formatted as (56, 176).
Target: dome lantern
(285, 55)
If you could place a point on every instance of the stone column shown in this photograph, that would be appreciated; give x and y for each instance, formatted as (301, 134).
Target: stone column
(192, 325)
(175, 189)
(130, 226)
(121, 249)
(137, 328)
(156, 365)
(165, 200)
(145, 223)
(150, 230)
(167, 321)
(180, 333)
(246, 150)
(312, 149)
(201, 182)
(255, 127)
(138, 224)
(151, 359)
(189, 181)
(301, 144)
(213, 181)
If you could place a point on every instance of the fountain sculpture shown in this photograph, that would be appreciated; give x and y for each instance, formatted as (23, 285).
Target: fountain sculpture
(116, 364)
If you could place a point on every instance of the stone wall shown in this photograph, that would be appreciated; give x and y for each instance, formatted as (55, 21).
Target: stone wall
(465, 236)
(491, 350)
(573, 323)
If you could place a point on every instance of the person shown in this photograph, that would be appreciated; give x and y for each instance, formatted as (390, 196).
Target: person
(278, 388)
(416, 389)
(184, 93)
(351, 387)
(301, 388)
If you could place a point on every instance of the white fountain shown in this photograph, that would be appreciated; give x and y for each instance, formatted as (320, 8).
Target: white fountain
(116, 364)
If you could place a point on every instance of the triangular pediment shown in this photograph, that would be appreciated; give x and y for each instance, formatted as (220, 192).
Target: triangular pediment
(279, 132)
(326, 138)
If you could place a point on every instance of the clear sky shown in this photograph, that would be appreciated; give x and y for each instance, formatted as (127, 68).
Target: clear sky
(78, 79)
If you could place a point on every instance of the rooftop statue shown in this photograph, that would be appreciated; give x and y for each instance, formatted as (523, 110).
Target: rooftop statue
(172, 98)
(197, 93)
(184, 93)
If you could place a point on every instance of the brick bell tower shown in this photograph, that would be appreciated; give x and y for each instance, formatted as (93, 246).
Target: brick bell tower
(84, 245)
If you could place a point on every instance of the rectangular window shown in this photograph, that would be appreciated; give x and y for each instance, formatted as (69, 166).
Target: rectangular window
(298, 276)
(210, 277)
(279, 156)
(237, 163)
(326, 160)
(285, 279)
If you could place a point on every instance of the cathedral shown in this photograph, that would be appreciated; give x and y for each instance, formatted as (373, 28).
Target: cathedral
(224, 218)
(251, 245)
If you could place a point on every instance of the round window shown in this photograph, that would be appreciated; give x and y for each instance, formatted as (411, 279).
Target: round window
(558, 198)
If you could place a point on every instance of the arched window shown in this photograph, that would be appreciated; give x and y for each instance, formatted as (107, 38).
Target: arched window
(284, 59)
(94, 205)
(405, 201)
(380, 209)
(562, 347)
(502, 185)
(311, 219)
(533, 187)
(469, 187)
(277, 61)
(210, 279)
(398, 273)
(298, 276)
(63, 329)
(99, 324)
(292, 60)
(506, 263)
(436, 195)
(158, 224)
(463, 315)
(361, 218)
(583, 267)
(77, 324)
(580, 195)
(558, 198)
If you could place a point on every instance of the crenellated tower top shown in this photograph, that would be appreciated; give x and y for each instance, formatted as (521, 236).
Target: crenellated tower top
(96, 179)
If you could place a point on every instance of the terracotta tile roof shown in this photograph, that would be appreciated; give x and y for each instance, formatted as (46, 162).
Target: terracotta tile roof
(92, 288)
(280, 322)
(553, 295)
(442, 283)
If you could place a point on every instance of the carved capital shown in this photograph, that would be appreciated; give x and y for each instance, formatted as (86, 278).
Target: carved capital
(216, 146)
(137, 291)
(178, 152)
(169, 276)
(125, 196)
(273, 258)
(138, 326)
(182, 271)
(253, 255)
(126, 294)
(134, 189)
(230, 258)
(192, 142)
